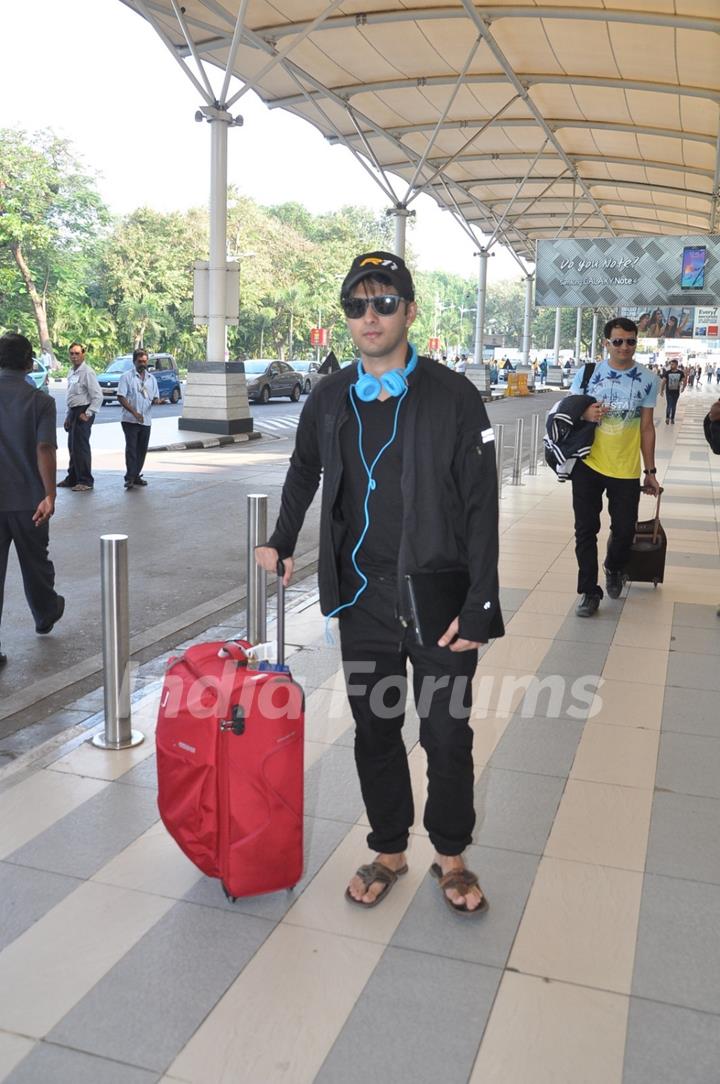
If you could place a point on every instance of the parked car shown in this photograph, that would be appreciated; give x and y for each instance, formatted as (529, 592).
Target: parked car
(39, 377)
(162, 366)
(309, 370)
(266, 378)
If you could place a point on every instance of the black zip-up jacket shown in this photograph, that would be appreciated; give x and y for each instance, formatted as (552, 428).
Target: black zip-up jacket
(449, 487)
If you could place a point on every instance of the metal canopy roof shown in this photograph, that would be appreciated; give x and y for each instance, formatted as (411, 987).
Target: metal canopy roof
(525, 120)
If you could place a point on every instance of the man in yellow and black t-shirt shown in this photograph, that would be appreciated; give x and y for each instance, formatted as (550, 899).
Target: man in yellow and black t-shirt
(625, 394)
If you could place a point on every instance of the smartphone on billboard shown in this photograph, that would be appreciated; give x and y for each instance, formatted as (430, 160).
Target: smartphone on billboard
(693, 267)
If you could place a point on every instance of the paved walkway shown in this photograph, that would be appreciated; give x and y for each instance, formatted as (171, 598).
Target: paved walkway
(598, 819)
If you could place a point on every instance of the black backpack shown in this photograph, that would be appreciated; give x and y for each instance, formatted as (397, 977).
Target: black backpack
(712, 433)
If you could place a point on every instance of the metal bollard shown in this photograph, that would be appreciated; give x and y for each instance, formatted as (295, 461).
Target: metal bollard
(534, 444)
(256, 576)
(499, 432)
(517, 454)
(116, 645)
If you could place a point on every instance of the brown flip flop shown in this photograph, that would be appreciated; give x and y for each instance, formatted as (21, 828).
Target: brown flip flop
(375, 871)
(462, 880)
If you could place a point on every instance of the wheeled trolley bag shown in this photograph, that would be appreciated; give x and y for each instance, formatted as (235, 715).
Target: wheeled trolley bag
(230, 764)
(646, 563)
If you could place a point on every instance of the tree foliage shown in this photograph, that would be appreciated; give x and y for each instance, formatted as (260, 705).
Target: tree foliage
(68, 270)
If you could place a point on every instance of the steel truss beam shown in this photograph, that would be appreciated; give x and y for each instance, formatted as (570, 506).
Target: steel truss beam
(527, 81)
(492, 14)
(497, 182)
(524, 156)
(558, 124)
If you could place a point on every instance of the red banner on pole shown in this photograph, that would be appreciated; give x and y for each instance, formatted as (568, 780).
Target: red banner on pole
(318, 336)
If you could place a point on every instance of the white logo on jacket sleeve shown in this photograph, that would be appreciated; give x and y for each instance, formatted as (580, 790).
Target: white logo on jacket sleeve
(487, 434)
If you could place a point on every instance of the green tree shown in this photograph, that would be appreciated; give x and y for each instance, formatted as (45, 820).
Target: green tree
(147, 277)
(51, 218)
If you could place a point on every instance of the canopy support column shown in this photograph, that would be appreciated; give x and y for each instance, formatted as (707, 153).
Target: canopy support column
(527, 319)
(578, 332)
(401, 215)
(556, 341)
(480, 314)
(593, 337)
(215, 399)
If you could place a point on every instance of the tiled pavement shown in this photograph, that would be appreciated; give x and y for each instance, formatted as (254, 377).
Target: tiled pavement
(597, 843)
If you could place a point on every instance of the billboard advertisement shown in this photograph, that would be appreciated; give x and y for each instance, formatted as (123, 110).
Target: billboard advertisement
(628, 271)
(707, 323)
(663, 321)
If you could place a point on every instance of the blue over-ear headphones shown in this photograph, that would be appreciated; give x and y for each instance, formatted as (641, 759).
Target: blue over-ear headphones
(368, 387)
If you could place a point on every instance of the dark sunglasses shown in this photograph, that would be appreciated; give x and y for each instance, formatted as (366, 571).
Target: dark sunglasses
(619, 342)
(383, 304)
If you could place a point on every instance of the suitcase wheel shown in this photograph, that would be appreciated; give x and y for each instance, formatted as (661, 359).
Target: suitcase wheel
(228, 897)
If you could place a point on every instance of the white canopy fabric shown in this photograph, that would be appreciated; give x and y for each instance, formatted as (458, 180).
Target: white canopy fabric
(525, 120)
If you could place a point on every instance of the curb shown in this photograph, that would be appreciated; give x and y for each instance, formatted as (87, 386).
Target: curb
(206, 442)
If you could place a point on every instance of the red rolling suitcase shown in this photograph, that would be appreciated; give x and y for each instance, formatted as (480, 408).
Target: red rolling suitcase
(230, 764)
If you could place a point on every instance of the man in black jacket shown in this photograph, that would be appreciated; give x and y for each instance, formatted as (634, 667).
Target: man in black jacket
(409, 486)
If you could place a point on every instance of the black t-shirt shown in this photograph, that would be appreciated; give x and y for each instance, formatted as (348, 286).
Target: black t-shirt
(379, 551)
(674, 379)
(27, 418)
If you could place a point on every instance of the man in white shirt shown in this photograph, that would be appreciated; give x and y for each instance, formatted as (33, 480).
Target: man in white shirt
(84, 399)
(137, 394)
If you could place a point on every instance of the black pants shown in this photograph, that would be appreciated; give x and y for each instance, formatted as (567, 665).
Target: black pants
(672, 402)
(80, 465)
(137, 438)
(623, 495)
(38, 573)
(375, 649)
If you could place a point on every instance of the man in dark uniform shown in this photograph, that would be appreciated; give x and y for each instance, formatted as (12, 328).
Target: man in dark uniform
(409, 486)
(27, 482)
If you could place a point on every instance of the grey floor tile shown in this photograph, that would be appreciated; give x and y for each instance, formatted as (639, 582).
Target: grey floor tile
(413, 1022)
(689, 764)
(574, 659)
(545, 746)
(515, 810)
(696, 714)
(698, 617)
(678, 559)
(48, 1064)
(29, 737)
(506, 878)
(684, 835)
(312, 666)
(666, 1045)
(598, 630)
(677, 958)
(692, 672)
(332, 790)
(27, 895)
(146, 1008)
(698, 642)
(679, 498)
(512, 598)
(142, 775)
(84, 840)
(690, 525)
(559, 696)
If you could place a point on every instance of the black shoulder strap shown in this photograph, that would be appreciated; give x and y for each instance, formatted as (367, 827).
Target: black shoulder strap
(587, 373)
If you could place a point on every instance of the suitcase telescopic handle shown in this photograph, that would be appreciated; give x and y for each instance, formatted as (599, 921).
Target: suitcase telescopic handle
(280, 613)
(656, 524)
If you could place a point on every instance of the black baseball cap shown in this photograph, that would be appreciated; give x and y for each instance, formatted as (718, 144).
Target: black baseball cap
(380, 263)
